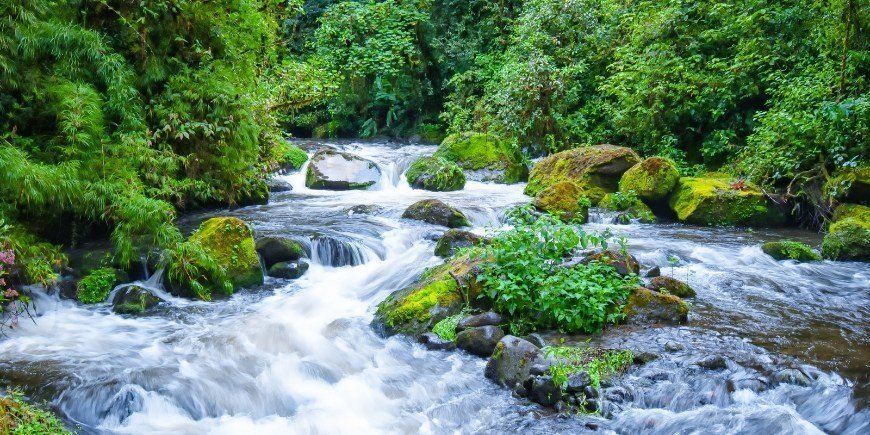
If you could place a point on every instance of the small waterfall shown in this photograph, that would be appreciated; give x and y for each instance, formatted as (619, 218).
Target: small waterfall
(335, 252)
(601, 216)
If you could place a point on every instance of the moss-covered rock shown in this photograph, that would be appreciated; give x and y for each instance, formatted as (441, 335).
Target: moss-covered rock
(713, 201)
(850, 185)
(624, 263)
(790, 250)
(436, 174)
(291, 158)
(275, 249)
(651, 179)
(848, 239)
(672, 286)
(596, 169)
(629, 206)
(416, 309)
(331, 169)
(454, 239)
(646, 307)
(18, 417)
(96, 286)
(134, 299)
(288, 269)
(484, 157)
(435, 212)
(564, 199)
(845, 211)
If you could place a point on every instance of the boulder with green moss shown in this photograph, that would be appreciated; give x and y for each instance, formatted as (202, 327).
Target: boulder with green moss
(134, 299)
(436, 174)
(671, 285)
(18, 417)
(850, 185)
(229, 242)
(484, 157)
(646, 307)
(98, 283)
(331, 169)
(717, 201)
(564, 199)
(275, 249)
(596, 169)
(848, 238)
(629, 206)
(651, 179)
(291, 158)
(455, 239)
(790, 250)
(435, 212)
(416, 309)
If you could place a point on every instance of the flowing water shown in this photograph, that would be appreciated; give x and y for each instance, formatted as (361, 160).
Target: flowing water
(300, 357)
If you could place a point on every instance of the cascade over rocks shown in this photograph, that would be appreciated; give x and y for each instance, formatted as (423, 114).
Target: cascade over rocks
(484, 157)
(277, 249)
(454, 239)
(331, 169)
(596, 169)
(436, 212)
(716, 201)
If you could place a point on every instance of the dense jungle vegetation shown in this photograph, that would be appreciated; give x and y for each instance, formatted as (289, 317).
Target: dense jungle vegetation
(116, 115)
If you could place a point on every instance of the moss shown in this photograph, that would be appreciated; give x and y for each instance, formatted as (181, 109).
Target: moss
(230, 242)
(435, 173)
(436, 212)
(848, 239)
(18, 417)
(292, 157)
(850, 185)
(845, 211)
(651, 179)
(96, 286)
(565, 200)
(672, 286)
(790, 250)
(596, 169)
(630, 206)
(326, 131)
(712, 201)
(645, 306)
(430, 133)
(484, 152)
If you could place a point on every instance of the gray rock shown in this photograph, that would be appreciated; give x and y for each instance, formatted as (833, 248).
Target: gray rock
(512, 360)
(673, 346)
(654, 272)
(479, 341)
(288, 270)
(792, 376)
(331, 169)
(711, 362)
(536, 339)
(134, 299)
(645, 357)
(436, 212)
(433, 342)
(541, 368)
(484, 319)
(544, 391)
(577, 382)
(454, 239)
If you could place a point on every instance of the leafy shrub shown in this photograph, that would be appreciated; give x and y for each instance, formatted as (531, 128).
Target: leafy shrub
(598, 363)
(527, 280)
(446, 328)
(20, 418)
(96, 286)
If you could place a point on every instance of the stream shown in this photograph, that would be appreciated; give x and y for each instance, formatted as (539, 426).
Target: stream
(299, 357)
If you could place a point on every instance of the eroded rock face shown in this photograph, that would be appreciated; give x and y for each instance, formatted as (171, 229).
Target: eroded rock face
(595, 169)
(330, 169)
(717, 201)
(436, 212)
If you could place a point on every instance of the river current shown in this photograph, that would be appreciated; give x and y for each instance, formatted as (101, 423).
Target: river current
(299, 357)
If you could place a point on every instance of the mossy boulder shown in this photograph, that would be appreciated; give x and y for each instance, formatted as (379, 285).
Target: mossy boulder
(134, 299)
(229, 241)
(288, 269)
(850, 185)
(416, 309)
(790, 250)
(845, 211)
(291, 158)
(715, 201)
(672, 286)
(629, 206)
(596, 169)
(436, 174)
(645, 307)
(454, 239)
(435, 212)
(849, 237)
(564, 199)
(484, 157)
(277, 249)
(331, 169)
(652, 179)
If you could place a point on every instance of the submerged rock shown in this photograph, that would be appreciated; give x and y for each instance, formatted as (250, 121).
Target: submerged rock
(566, 200)
(288, 269)
(596, 169)
(331, 169)
(484, 157)
(479, 340)
(848, 238)
(277, 249)
(134, 299)
(716, 201)
(436, 212)
(646, 307)
(652, 179)
(436, 174)
(790, 250)
(454, 239)
(672, 286)
(511, 361)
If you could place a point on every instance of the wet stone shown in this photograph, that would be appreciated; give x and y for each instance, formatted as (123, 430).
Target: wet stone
(479, 341)
(673, 346)
(432, 341)
(712, 362)
(792, 376)
(485, 319)
(577, 382)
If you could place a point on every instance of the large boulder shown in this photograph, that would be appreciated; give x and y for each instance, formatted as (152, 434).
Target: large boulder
(436, 174)
(134, 299)
(717, 201)
(416, 309)
(565, 199)
(790, 250)
(436, 212)
(596, 169)
(848, 238)
(671, 285)
(331, 169)
(277, 249)
(454, 239)
(652, 179)
(229, 241)
(479, 340)
(646, 307)
(484, 157)
(512, 360)
(629, 206)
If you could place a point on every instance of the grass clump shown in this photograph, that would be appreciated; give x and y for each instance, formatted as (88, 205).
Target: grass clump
(598, 363)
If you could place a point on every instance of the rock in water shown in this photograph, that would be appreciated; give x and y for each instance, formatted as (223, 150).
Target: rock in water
(454, 239)
(288, 270)
(484, 319)
(646, 307)
(624, 263)
(651, 179)
(565, 200)
(848, 237)
(436, 212)
(596, 169)
(790, 250)
(672, 286)
(484, 157)
(479, 341)
(134, 299)
(330, 169)
(278, 249)
(717, 201)
(511, 361)
(436, 174)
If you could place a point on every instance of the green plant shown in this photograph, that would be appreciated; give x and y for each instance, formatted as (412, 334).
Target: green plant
(598, 363)
(527, 279)
(96, 286)
(20, 418)
(446, 328)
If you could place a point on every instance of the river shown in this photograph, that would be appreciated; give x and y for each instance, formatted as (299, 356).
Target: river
(300, 357)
